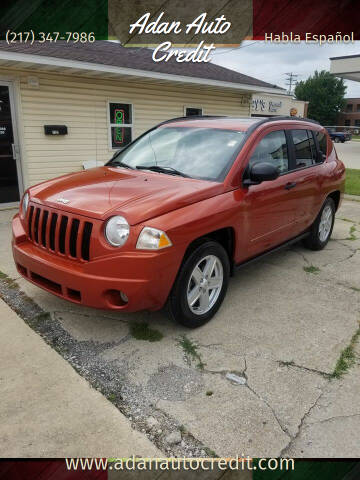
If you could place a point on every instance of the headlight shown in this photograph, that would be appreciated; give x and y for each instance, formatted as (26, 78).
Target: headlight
(117, 231)
(25, 203)
(152, 239)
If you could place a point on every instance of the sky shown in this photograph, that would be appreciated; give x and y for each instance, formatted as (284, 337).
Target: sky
(269, 62)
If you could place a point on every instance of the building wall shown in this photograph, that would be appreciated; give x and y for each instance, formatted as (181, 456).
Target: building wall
(82, 105)
(350, 117)
(269, 105)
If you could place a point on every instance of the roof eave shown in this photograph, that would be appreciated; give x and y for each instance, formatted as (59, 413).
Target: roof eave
(96, 67)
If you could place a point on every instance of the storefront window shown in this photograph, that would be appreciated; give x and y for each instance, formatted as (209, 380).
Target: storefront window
(120, 124)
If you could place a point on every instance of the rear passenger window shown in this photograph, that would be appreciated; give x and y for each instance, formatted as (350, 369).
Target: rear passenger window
(304, 150)
(272, 149)
(322, 140)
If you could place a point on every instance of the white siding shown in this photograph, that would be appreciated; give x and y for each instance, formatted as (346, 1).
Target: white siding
(81, 104)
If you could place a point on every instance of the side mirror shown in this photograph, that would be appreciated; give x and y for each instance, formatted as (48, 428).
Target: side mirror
(261, 172)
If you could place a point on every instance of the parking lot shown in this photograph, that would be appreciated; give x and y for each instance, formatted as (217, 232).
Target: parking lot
(349, 153)
(281, 331)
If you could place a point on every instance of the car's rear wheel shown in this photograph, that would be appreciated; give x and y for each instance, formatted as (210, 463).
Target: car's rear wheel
(321, 229)
(200, 286)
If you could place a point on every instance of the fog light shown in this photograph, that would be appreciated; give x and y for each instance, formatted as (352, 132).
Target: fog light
(116, 298)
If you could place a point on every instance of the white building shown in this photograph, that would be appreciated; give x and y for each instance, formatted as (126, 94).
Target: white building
(65, 104)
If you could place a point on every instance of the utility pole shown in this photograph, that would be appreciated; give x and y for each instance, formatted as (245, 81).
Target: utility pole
(291, 80)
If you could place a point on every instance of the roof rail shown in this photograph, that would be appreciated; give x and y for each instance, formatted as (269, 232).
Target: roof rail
(261, 121)
(303, 119)
(252, 128)
(191, 117)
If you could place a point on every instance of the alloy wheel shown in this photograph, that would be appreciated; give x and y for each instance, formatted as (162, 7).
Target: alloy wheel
(205, 284)
(325, 223)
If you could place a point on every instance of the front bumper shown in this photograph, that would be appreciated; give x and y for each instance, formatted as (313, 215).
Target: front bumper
(146, 278)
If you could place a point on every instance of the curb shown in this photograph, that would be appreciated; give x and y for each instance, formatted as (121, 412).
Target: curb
(354, 198)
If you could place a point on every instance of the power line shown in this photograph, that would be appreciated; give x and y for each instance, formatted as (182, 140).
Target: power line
(291, 80)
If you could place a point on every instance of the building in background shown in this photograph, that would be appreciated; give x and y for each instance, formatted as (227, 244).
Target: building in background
(348, 67)
(350, 117)
(267, 105)
(66, 105)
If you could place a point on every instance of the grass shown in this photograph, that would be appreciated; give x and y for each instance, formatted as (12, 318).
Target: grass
(347, 357)
(352, 182)
(352, 235)
(210, 452)
(311, 269)
(191, 351)
(356, 289)
(285, 363)
(42, 317)
(9, 281)
(142, 331)
(183, 429)
(209, 393)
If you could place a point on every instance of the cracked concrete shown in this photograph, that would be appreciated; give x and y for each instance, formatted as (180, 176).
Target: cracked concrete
(280, 327)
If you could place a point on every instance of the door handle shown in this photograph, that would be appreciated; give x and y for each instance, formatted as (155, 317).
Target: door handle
(290, 185)
(13, 151)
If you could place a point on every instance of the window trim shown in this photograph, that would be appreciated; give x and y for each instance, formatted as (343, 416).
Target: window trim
(290, 149)
(318, 146)
(264, 134)
(193, 106)
(293, 153)
(110, 125)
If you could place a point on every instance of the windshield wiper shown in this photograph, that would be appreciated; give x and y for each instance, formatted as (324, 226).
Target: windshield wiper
(119, 163)
(163, 169)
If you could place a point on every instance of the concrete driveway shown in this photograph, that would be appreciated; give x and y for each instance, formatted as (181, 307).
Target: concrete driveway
(289, 322)
(349, 153)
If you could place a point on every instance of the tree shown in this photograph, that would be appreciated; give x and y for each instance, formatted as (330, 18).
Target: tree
(325, 94)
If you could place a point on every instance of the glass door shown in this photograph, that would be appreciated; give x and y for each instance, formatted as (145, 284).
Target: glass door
(9, 183)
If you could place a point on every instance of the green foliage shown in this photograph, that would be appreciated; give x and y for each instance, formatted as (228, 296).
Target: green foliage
(190, 349)
(347, 357)
(311, 269)
(352, 181)
(352, 235)
(325, 94)
(142, 331)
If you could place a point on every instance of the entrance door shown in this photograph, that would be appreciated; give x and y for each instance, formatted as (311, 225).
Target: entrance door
(9, 182)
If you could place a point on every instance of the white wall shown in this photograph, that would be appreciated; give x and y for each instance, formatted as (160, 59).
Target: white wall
(81, 104)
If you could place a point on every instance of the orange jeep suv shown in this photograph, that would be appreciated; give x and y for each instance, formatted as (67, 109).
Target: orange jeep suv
(171, 216)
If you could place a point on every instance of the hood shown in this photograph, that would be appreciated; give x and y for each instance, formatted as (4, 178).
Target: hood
(138, 195)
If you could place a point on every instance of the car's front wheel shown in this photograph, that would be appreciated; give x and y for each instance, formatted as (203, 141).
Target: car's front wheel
(336, 139)
(200, 286)
(321, 229)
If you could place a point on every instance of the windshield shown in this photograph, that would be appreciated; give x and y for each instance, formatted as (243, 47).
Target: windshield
(204, 153)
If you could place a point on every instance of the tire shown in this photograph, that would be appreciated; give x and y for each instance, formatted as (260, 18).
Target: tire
(321, 229)
(191, 284)
(336, 140)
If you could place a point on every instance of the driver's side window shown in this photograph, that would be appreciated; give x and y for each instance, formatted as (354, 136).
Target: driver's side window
(272, 149)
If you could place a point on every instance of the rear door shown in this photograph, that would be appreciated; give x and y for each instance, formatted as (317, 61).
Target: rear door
(306, 172)
(270, 207)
